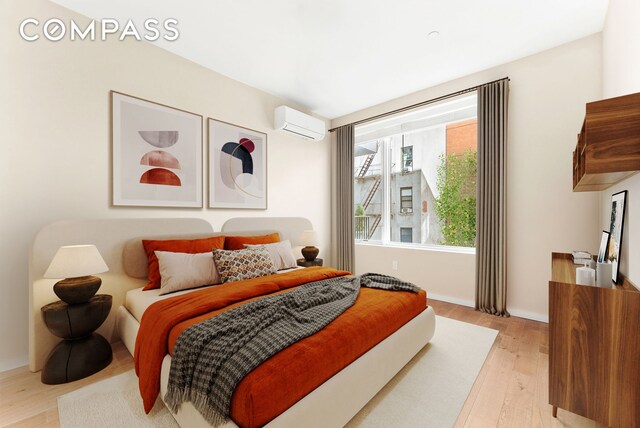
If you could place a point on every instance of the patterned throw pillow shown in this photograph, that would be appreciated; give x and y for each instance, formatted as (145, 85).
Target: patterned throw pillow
(235, 265)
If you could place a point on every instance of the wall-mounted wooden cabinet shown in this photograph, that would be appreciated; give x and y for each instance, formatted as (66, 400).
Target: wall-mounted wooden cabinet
(608, 148)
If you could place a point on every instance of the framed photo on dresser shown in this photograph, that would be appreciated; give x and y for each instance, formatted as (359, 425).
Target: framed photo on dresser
(604, 245)
(618, 201)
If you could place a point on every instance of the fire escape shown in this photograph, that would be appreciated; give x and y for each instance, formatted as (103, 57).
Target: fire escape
(377, 218)
(367, 164)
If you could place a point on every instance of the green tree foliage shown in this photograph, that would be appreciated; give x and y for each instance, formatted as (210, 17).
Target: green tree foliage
(456, 204)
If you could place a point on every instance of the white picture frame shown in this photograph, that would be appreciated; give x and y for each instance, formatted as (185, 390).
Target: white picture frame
(604, 246)
(237, 166)
(157, 154)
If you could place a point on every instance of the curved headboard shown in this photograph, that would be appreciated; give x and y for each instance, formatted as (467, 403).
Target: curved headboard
(134, 258)
(114, 238)
(109, 236)
(290, 228)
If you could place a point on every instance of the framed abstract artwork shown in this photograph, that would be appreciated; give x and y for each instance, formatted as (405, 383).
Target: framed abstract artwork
(157, 154)
(237, 166)
(618, 201)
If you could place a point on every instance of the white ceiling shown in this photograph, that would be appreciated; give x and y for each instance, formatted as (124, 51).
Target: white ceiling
(338, 56)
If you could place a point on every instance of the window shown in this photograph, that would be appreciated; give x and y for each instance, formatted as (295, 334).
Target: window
(406, 200)
(417, 172)
(406, 234)
(407, 159)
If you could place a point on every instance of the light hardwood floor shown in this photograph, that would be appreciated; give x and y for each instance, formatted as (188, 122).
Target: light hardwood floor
(512, 387)
(510, 391)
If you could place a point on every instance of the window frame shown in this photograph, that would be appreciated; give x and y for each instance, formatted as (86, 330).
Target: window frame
(386, 158)
(403, 200)
(406, 169)
(405, 229)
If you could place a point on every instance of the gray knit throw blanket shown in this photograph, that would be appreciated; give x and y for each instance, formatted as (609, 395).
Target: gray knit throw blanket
(212, 357)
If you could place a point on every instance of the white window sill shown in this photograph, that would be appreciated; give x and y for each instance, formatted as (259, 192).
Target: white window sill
(419, 247)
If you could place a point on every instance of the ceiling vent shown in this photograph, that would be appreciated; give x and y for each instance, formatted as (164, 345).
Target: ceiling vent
(297, 123)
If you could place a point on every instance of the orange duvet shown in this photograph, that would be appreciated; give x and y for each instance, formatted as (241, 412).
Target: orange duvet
(288, 376)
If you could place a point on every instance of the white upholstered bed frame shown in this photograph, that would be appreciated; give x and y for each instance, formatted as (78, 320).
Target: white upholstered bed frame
(332, 404)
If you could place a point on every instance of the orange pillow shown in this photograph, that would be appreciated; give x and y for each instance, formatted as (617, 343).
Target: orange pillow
(191, 246)
(237, 242)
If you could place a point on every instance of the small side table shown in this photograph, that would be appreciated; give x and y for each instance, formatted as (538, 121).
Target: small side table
(82, 352)
(305, 263)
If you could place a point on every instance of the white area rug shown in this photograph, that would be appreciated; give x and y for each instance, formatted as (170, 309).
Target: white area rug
(113, 402)
(429, 392)
(432, 388)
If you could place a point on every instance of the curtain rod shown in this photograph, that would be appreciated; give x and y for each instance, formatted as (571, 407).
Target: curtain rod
(420, 104)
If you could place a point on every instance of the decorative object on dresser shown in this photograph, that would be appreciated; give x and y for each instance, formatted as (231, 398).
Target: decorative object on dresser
(608, 148)
(74, 319)
(581, 257)
(309, 239)
(615, 241)
(604, 272)
(307, 263)
(237, 166)
(585, 275)
(157, 154)
(76, 263)
(604, 244)
(594, 370)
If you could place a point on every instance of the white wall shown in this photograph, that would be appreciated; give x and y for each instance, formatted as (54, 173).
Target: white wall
(621, 76)
(621, 49)
(546, 108)
(55, 162)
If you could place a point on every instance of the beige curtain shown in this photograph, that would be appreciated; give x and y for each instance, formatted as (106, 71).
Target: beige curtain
(491, 228)
(344, 199)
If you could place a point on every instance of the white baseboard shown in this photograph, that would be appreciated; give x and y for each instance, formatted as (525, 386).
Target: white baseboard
(471, 304)
(13, 364)
(448, 299)
(529, 315)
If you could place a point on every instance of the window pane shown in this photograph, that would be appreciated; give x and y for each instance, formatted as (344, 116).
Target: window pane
(426, 179)
(407, 158)
(368, 190)
(406, 200)
(406, 234)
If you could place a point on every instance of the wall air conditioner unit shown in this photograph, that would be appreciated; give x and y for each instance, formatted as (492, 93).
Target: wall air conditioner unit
(298, 123)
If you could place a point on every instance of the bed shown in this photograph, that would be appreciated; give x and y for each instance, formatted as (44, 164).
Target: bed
(335, 401)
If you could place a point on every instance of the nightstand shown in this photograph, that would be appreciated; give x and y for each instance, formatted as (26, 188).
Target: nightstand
(82, 352)
(305, 263)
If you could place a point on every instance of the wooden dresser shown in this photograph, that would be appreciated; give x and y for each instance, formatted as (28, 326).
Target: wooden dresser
(594, 347)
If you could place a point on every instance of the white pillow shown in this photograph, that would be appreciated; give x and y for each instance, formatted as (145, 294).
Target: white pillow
(181, 271)
(280, 253)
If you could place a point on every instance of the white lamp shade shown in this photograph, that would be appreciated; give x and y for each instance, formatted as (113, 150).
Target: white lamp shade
(309, 238)
(74, 261)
